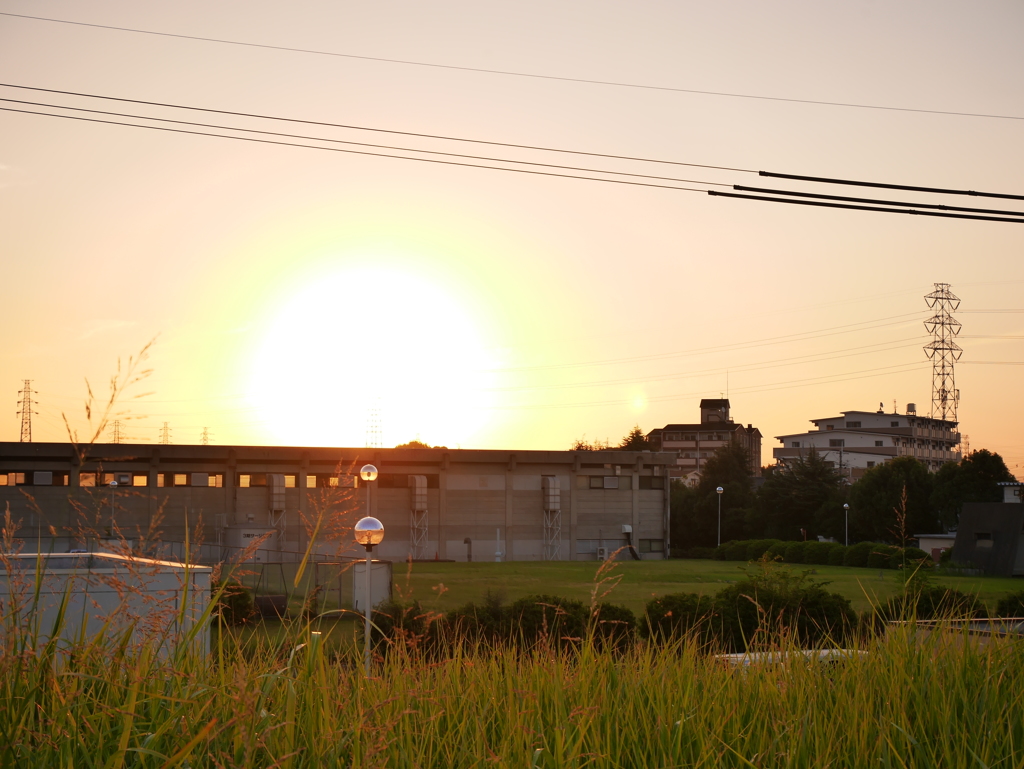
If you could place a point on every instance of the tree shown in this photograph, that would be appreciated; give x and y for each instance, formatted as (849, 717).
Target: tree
(973, 479)
(417, 445)
(726, 468)
(877, 496)
(806, 495)
(635, 440)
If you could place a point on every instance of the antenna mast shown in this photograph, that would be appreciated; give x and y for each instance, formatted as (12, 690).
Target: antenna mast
(26, 412)
(943, 351)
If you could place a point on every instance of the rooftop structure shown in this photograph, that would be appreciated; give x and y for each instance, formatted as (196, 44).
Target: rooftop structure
(696, 442)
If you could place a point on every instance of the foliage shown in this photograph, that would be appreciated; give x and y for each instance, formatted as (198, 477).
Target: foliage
(235, 604)
(417, 444)
(876, 501)
(635, 440)
(1011, 605)
(973, 479)
(675, 616)
(857, 555)
(613, 626)
(929, 601)
(837, 555)
(806, 495)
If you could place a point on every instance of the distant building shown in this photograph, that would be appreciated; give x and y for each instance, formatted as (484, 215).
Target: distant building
(859, 440)
(696, 442)
(990, 536)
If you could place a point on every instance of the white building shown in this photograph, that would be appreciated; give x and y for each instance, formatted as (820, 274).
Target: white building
(858, 440)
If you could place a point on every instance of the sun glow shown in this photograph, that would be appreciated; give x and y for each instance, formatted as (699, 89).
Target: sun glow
(372, 337)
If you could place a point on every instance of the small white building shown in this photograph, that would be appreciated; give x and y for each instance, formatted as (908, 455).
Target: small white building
(106, 592)
(856, 441)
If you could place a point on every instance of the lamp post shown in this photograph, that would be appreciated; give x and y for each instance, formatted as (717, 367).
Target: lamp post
(368, 532)
(719, 490)
(113, 486)
(846, 510)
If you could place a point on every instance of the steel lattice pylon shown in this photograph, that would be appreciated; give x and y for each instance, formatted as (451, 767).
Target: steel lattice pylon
(943, 351)
(26, 412)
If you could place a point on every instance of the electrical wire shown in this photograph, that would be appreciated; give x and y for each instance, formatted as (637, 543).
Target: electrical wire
(886, 186)
(355, 152)
(361, 144)
(851, 207)
(348, 126)
(513, 73)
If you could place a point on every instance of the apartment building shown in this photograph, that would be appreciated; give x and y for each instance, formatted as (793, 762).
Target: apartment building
(696, 442)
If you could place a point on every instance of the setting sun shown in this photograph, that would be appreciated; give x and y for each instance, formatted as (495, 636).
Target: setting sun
(371, 337)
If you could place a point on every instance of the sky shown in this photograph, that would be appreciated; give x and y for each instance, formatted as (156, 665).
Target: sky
(298, 296)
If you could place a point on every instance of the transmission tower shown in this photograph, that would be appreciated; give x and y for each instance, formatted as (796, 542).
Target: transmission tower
(116, 432)
(943, 351)
(205, 437)
(165, 434)
(25, 411)
(373, 440)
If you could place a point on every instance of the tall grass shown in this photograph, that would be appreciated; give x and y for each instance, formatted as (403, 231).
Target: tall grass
(913, 701)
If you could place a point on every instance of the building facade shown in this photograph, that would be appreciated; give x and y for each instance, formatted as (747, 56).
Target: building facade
(434, 503)
(856, 441)
(696, 442)
(990, 535)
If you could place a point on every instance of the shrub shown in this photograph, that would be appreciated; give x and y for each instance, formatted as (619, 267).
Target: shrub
(929, 602)
(857, 555)
(913, 557)
(407, 624)
(881, 556)
(837, 555)
(613, 626)
(778, 550)
(817, 552)
(674, 616)
(777, 601)
(235, 605)
(487, 624)
(735, 551)
(756, 548)
(795, 552)
(542, 618)
(1011, 605)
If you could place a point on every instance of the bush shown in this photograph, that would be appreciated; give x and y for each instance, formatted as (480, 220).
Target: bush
(929, 602)
(735, 551)
(794, 552)
(913, 557)
(778, 550)
(674, 616)
(881, 555)
(409, 624)
(613, 626)
(857, 555)
(756, 609)
(756, 548)
(817, 552)
(1011, 606)
(235, 605)
(837, 555)
(543, 618)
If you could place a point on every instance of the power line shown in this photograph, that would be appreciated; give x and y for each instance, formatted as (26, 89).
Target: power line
(886, 186)
(357, 152)
(351, 127)
(851, 207)
(363, 144)
(513, 73)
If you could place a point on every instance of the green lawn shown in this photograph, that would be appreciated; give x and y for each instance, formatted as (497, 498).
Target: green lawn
(444, 586)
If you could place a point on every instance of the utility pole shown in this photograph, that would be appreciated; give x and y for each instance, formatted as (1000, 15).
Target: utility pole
(165, 435)
(26, 411)
(943, 351)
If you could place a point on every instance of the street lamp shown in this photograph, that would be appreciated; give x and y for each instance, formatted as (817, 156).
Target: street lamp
(368, 532)
(846, 509)
(113, 486)
(719, 490)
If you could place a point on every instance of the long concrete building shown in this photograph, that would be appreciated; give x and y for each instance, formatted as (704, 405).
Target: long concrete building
(434, 503)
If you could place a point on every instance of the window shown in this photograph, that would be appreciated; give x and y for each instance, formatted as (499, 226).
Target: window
(215, 480)
(247, 480)
(87, 479)
(604, 482)
(652, 546)
(289, 481)
(12, 479)
(830, 427)
(140, 480)
(871, 464)
(652, 482)
(894, 424)
(837, 442)
(878, 443)
(310, 481)
(794, 445)
(853, 424)
(181, 479)
(983, 539)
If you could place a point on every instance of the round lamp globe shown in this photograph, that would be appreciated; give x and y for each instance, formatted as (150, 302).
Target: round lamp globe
(368, 473)
(368, 532)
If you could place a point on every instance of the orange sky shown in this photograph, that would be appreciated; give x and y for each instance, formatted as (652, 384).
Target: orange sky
(292, 291)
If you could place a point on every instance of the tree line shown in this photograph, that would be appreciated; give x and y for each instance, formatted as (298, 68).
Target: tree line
(804, 500)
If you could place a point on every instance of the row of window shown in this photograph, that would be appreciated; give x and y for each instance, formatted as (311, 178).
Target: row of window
(695, 436)
(647, 482)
